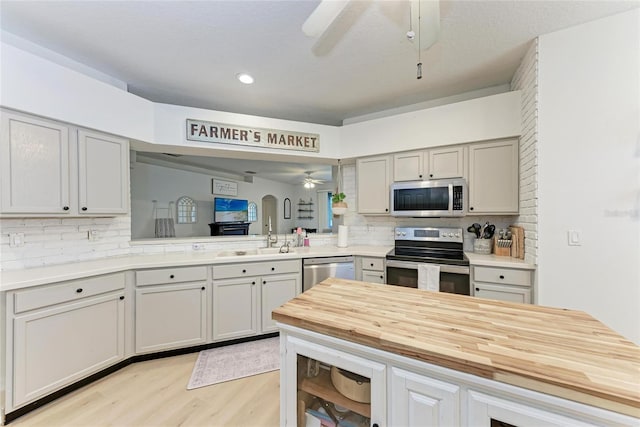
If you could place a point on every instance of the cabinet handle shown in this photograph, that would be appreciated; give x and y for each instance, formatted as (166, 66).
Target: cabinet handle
(79, 290)
(386, 209)
(244, 271)
(202, 288)
(121, 298)
(273, 269)
(66, 208)
(84, 208)
(419, 176)
(375, 425)
(172, 276)
(253, 283)
(477, 289)
(470, 208)
(430, 175)
(501, 276)
(264, 282)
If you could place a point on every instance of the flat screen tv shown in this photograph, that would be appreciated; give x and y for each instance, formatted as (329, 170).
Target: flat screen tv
(230, 210)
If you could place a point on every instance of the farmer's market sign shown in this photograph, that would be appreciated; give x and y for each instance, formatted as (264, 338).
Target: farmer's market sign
(198, 130)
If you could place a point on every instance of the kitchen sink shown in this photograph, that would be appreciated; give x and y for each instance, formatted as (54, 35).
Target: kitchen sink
(259, 251)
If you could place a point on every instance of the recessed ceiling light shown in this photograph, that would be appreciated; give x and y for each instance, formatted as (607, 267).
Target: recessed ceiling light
(245, 78)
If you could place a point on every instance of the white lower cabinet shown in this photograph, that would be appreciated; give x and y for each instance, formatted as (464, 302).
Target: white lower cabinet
(505, 284)
(57, 345)
(171, 308)
(171, 316)
(369, 269)
(416, 400)
(235, 308)
(487, 411)
(244, 295)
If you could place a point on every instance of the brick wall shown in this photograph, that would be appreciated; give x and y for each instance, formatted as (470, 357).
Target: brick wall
(526, 80)
(50, 241)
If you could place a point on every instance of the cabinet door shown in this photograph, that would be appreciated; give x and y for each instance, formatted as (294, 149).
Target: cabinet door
(171, 316)
(493, 177)
(445, 163)
(373, 185)
(502, 293)
(487, 410)
(275, 291)
(417, 400)
(34, 164)
(57, 346)
(103, 174)
(408, 166)
(234, 308)
(372, 276)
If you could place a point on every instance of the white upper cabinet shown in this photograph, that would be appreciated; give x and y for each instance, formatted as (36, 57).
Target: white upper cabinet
(35, 173)
(51, 169)
(373, 180)
(429, 164)
(103, 170)
(493, 177)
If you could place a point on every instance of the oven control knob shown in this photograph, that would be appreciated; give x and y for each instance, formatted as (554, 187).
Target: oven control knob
(457, 234)
(398, 233)
(450, 234)
(404, 234)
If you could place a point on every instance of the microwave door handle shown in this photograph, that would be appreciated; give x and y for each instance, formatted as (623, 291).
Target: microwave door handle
(450, 197)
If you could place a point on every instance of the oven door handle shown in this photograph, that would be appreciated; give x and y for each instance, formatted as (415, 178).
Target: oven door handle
(444, 268)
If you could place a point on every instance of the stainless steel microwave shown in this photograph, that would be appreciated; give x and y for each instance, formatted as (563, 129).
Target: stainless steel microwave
(437, 198)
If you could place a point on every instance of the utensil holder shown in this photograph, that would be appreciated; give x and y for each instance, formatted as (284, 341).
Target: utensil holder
(482, 246)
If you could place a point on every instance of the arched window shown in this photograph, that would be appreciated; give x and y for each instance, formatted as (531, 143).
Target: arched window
(187, 210)
(253, 212)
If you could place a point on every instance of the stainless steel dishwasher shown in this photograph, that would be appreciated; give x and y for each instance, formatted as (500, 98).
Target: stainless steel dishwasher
(317, 269)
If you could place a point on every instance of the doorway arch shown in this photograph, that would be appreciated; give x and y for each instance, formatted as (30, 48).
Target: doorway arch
(269, 210)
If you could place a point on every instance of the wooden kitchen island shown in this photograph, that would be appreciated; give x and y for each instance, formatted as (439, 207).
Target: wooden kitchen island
(444, 359)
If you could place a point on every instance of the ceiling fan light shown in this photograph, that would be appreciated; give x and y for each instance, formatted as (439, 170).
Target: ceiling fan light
(245, 78)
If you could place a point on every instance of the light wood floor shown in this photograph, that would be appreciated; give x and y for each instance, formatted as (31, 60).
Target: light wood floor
(154, 393)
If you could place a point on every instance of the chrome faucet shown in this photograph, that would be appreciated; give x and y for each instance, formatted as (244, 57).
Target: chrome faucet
(270, 241)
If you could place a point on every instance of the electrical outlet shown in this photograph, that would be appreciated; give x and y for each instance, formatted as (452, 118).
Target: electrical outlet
(16, 240)
(94, 235)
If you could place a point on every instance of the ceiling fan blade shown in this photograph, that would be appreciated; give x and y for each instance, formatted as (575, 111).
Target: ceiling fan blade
(323, 16)
(429, 28)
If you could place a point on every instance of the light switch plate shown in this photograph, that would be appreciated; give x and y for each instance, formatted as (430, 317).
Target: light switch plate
(574, 238)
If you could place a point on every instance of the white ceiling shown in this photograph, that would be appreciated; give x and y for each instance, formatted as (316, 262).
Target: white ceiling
(188, 52)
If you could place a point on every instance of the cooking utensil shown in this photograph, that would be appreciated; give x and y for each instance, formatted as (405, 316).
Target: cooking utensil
(489, 231)
(475, 229)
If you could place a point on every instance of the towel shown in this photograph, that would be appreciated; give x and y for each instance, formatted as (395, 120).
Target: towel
(429, 277)
(165, 227)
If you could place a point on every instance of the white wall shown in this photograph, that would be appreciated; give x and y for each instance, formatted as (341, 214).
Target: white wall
(152, 182)
(589, 170)
(35, 85)
(491, 117)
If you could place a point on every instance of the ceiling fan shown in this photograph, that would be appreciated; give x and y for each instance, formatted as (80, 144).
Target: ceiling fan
(310, 182)
(424, 16)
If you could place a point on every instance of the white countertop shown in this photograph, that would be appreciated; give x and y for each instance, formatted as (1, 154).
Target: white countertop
(498, 261)
(17, 279)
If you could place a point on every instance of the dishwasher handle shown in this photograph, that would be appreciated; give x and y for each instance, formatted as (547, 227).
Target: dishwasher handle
(327, 260)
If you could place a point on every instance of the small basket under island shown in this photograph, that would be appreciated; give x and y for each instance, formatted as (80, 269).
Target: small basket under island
(458, 360)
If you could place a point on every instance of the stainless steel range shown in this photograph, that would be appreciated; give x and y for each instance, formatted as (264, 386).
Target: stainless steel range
(439, 246)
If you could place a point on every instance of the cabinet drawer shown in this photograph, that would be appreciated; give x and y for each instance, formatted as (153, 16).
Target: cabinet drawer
(372, 264)
(502, 275)
(255, 269)
(171, 275)
(69, 291)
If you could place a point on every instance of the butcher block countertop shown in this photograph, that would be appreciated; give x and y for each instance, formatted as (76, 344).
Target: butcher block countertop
(564, 353)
